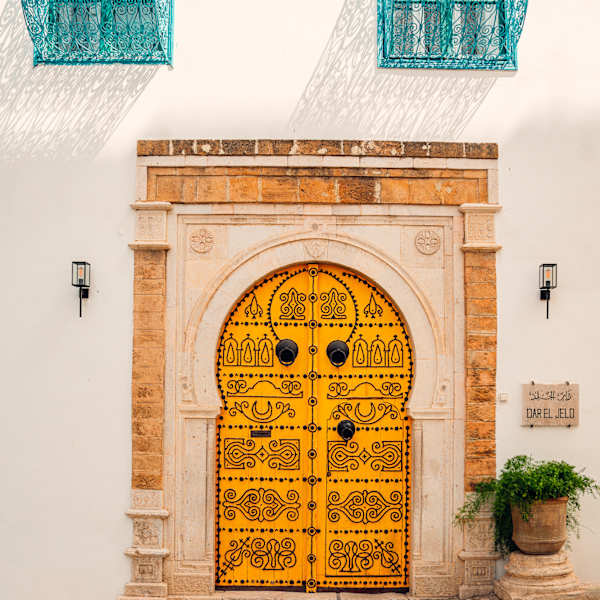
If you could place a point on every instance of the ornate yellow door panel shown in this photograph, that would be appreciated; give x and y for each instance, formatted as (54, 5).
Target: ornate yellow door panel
(314, 366)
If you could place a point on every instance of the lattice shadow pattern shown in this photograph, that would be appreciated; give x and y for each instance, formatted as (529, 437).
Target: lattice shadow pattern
(347, 92)
(58, 111)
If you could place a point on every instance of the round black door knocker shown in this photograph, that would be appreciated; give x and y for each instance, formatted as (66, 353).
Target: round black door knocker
(287, 351)
(346, 430)
(337, 352)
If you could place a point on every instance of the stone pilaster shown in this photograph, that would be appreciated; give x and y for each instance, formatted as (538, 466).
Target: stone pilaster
(480, 391)
(147, 551)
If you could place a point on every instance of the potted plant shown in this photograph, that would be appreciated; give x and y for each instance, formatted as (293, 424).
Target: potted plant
(533, 503)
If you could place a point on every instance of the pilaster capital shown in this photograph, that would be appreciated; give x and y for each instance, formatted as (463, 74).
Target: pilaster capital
(480, 230)
(151, 225)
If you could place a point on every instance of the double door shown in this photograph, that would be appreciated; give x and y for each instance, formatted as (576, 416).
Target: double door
(314, 368)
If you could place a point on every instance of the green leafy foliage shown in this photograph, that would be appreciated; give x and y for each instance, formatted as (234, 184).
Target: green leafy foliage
(522, 482)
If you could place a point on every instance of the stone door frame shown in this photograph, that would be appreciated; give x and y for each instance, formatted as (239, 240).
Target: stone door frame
(190, 195)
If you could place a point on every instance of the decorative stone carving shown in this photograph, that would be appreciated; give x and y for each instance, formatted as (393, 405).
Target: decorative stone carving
(480, 233)
(481, 228)
(428, 241)
(202, 241)
(151, 225)
(479, 556)
(480, 536)
(145, 533)
(146, 499)
(148, 570)
(146, 552)
(315, 248)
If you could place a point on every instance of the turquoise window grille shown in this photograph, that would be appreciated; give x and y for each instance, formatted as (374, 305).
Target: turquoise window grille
(450, 34)
(100, 31)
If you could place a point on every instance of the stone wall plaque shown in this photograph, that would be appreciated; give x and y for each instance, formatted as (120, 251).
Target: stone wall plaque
(554, 405)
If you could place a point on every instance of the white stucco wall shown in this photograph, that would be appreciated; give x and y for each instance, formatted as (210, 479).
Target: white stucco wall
(260, 69)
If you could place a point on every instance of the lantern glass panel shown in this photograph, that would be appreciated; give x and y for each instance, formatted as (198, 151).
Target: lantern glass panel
(81, 274)
(548, 276)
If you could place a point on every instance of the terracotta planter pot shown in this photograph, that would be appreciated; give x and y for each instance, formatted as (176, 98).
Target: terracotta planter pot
(546, 530)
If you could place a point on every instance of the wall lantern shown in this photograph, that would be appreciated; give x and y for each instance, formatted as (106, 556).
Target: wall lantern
(548, 281)
(81, 279)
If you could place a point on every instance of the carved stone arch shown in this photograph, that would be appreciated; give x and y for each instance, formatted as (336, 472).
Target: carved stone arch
(209, 313)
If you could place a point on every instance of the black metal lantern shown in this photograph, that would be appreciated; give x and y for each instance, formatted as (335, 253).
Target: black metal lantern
(548, 282)
(80, 278)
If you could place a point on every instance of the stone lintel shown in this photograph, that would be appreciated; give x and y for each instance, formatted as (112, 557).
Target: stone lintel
(356, 148)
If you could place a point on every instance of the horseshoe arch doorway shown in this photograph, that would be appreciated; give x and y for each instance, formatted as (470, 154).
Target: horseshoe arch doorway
(314, 366)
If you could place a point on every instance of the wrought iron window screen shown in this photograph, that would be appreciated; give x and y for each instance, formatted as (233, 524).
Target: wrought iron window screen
(100, 31)
(450, 34)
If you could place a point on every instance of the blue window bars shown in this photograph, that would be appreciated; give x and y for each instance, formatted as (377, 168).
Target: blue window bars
(450, 34)
(100, 31)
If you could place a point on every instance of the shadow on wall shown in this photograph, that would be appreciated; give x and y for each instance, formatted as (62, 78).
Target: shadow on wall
(347, 92)
(66, 111)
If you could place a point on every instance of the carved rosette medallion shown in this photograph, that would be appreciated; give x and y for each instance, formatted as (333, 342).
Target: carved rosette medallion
(202, 241)
(428, 241)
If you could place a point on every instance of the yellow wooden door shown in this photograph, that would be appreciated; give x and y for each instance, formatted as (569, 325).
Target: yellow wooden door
(314, 367)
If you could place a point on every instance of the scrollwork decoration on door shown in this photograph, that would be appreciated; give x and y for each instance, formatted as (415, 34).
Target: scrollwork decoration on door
(261, 505)
(240, 453)
(364, 506)
(382, 456)
(362, 555)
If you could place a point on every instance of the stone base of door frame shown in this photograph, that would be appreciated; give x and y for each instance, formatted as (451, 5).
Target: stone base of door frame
(282, 595)
(147, 553)
(533, 577)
